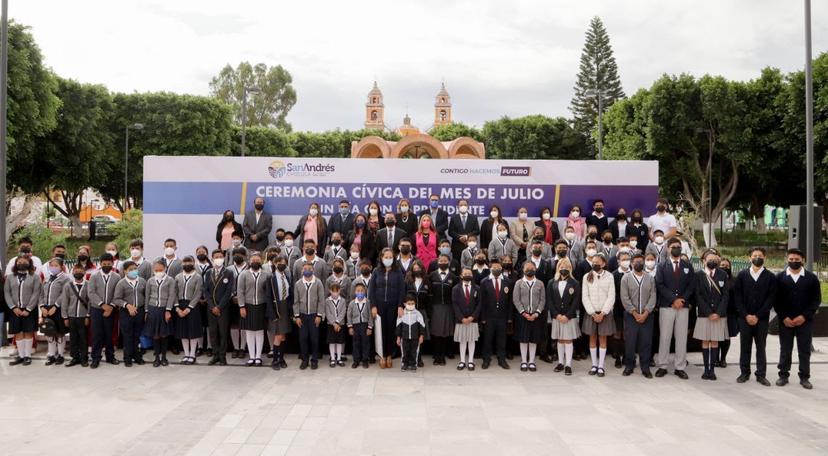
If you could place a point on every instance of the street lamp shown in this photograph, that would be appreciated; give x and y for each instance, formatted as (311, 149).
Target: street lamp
(599, 94)
(135, 126)
(4, 63)
(245, 91)
(809, 146)
(709, 184)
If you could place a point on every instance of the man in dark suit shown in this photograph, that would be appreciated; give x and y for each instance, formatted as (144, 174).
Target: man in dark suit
(754, 291)
(675, 282)
(257, 226)
(389, 237)
(461, 225)
(797, 299)
(217, 292)
(495, 313)
(343, 222)
(438, 216)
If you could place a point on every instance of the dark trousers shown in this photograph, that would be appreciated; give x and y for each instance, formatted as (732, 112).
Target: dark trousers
(638, 338)
(309, 338)
(748, 336)
(77, 339)
(410, 349)
(131, 328)
(494, 340)
(388, 316)
(102, 334)
(362, 343)
(544, 347)
(219, 330)
(803, 337)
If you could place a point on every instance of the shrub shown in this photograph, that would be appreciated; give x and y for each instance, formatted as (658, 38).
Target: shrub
(130, 227)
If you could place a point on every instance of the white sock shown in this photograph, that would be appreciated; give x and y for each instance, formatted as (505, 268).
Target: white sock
(243, 339)
(185, 344)
(29, 345)
(21, 347)
(332, 350)
(51, 347)
(532, 349)
(471, 351)
(234, 337)
(259, 343)
(339, 349)
(523, 349)
(602, 354)
(463, 352)
(250, 336)
(61, 345)
(568, 350)
(561, 355)
(193, 347)
(593, 353)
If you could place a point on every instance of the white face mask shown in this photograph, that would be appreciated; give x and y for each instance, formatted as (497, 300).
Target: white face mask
(354, 255)
(659, 239)
(502, 234)
(472, 244)
(313, 211)
(404, 209)
(160, 275)
(591, 252)
(649, 264)
(569, 235)
(463, 209)
(624, 264)
(493, 214)
(409, 307)
(169, 251)
(522, 215)
(387, 262)
(372, 211)
(112, 252)
(218, 262)
(288, 242)
(633, 243)
(546, 216)
(574, 214)
(136, 253)
(236, 242)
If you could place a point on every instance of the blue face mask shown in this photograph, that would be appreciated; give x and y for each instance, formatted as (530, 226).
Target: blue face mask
(360, 295)
(434, 204)
(133, 274)
(360, 224)
(445, 250)
(307, 273)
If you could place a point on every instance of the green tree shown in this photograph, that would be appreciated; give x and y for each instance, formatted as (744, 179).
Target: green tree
(269, 106)
(452, 131)
(78, 153)
(264, 142)
(597, 77)
(533, 137)
(333, 143)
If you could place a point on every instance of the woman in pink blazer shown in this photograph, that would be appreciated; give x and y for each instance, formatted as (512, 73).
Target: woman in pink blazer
(426, 240)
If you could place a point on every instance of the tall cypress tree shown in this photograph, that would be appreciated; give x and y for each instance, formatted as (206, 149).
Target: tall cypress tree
(598, 75)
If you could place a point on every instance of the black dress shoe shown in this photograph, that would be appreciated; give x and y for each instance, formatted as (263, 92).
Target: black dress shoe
(618, 363)
(354, 365)
(782, 381)
(156, 362)
(722, 364)
(806, 384)
(164, 362)
(27, 361)
(72, 362)
(647, 374)
(627, 372)
(681, 374)
(139, 361)
(50, 360)
(113, 361)
(304, 365)
(213, 361)
(16, 361)
(420, 362)
(127, 363)
(485, 364)
(763, 381)
(558, 368)
(470, 366)
(59, 360)
(275, 365)
(567, 370)
(95, 364)
(282, 363)
(547, 359)
(84, 363)
(235, 354)
(705, 376)
(712, 376)
(743, 378)
(661, 373)
(503, 364)
(223, 362)
(314, 365)
(365, 364)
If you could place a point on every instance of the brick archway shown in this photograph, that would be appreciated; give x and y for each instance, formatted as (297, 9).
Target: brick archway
(433, 147)
(371, 147)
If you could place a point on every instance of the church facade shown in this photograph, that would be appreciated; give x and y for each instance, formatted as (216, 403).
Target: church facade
(413, 142)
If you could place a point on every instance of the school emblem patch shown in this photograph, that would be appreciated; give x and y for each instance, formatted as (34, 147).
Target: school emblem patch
(225, 280)
(571, 291)
(687, 270)
(505, 289)
(721, 283)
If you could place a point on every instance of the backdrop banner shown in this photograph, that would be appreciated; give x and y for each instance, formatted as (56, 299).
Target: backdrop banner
(184, 197)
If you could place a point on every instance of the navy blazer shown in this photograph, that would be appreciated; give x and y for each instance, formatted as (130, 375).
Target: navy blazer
(671, 286)
(712, 298)
(800, 298)
(272, 290)
(343, 227)
(568, 304)
(218, 291)
(456, 229)
(463, 308)
(754, 297)
(492, 307)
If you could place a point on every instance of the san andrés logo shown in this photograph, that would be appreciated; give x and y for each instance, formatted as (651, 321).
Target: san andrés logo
(278, 169)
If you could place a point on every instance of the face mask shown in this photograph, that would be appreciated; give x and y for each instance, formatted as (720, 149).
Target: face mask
(218, 262)
(564, 272)
(228, 217)
(417, 273)
(238, 260)
(592, 235)
(445, 250)
(472, 244)
(54, 271)
(497, 271)
(280, 238)
(132, 275)
(409, 307)
(591, 252)
(659, 239)
(443, 266)
(281, 267)
(633, 243)
(596, 267)
(507, 266)
(160, 275)
(78, 275)
(259, 207)
(795, 265)
(60, 255)
(354, 255)
(621, 218)
(255, 266)
(404, 209)
(112, 252)
(624, 264)
(467, 278)
(310, 251)
(82, 258)
(493, 214)
(360, 295)
(502, 234)
(387, 262)
(336, 242)
(530, 273)
(661, 208)
(170, 251)
(313, 212)
(675, 251)
(758, 261)
(536, 252)
(638, 267)
(106, 269)
(650, 264)
(288, 242)
(366, 272)
(236, 243)
(599, 210)
(546, 216)
(608, 240)
(372, 211)
(463, 209)
(561, 253)
(405, 249)
(480, 261)
(434, 204)
(390, 223)
(712, 264)
(522, 215)
(569, 235)
(344, 211)
(726, 270)
(338, 269)
(574, 214)
(307, 274)
(202, 257)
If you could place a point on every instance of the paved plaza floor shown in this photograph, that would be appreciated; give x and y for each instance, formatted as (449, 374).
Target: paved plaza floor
(234, 410)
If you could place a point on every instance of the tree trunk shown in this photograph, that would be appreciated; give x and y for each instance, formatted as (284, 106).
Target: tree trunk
(761, 228)
(77, 226)
(19, 210)
(709, 232)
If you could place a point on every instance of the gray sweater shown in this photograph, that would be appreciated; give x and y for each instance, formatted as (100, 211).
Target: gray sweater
(359, 313)
(531, 300)
(130, 293)
(24, 295)
(50, 295)
(335, 311)
(253, 289)
(309, 301)
(70, 305)
(102, 288)
(189, 288)
(163, 295)
(638, 296)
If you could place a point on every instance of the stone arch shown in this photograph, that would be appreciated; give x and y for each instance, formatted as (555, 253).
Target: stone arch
(435, 148)
(371, 147)
(465, 147)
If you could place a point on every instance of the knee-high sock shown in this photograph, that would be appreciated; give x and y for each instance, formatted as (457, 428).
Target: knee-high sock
(332, 350)
(532, 349)
(259, 339)
(568, 350)
(602, 355)
(339, 349)
(21, 347)
(61, 345)
(28, 344)
(523, 350)
(724, 346)
(164, 342)
(194, 343)
(561, 353)
(593, 353)
(156, 347)
(706, 356)
(714, 356)
(51, 347)
(185, 345)
(463, 351)
(250, 337)
(471, 351)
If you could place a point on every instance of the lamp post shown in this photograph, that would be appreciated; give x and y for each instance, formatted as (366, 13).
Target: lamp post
(245, 91)
(4, 63)
(135, 126)
(809, 146)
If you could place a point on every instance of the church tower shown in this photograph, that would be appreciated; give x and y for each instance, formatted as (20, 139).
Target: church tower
(442, 107)
(375, 110)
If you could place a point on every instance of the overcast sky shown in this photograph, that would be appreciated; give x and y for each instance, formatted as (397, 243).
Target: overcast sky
(497, 58)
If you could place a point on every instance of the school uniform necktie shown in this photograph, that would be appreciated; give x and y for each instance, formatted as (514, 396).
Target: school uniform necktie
(390, 238)
(467, 294)
(463, 218)
(525, 234)
(284, 288)
(675, 268)
(497, 289)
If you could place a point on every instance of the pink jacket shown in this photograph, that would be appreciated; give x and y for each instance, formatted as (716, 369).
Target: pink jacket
(426, 252)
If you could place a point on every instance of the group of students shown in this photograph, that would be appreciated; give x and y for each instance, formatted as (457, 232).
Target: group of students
(623, 285)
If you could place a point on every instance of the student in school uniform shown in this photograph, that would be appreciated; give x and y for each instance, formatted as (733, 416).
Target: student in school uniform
(203, 266)
(161, 298)
(546, 248)
(238, 265)
(465, 299)
(461, 225)
(798, 297)
(360, 325)
(74, 310)
(171, 261)
(495, 313)
(253, 297)
(50, 298)
(754, 293)
(638, 297)
(563, 297)
(417, 285)
(236, 248)
(529, 299)
(675, 284)
(352, 263)
(445, 249)
(489, 226)
(308, 313)
(218, 292)
(279, 309)
(658, 248)
(406, 257)
(468, 254)
(732, 314)
(711, 298)
(385, 294)
(574, 246)
(441, 282)
(130, 299)
(336, 307)
(337, 249)
(480, 268)
(410, 332)
(136, 255)
(598, 298)
(616, 343)
(406, 219)
(188, 324)
(339, 277)
(290, 250)
(501, 244)
(426, 240)
(101, 295)
(363, 277)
